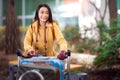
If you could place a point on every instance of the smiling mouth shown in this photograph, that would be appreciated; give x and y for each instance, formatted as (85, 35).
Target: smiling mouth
(45, 18)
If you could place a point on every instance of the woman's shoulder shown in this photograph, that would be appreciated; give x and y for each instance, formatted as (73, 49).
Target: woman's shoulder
(34, 23)
(50, 24)
(55, 22)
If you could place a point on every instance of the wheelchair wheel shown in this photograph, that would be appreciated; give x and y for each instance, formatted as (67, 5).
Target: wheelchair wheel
(31, 75)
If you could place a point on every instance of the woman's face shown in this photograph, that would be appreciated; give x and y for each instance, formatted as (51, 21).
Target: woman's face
(43, 14)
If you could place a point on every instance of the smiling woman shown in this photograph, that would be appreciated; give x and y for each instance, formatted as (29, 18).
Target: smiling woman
(42, 33)
(43, 15)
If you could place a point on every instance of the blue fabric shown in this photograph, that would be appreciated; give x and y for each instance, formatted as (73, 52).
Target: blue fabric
(59, 64)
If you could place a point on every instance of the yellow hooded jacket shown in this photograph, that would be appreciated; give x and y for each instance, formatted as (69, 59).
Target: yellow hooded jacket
(35, 39)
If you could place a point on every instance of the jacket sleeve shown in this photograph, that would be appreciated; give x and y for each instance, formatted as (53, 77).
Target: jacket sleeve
(59, 37)
(28, 40)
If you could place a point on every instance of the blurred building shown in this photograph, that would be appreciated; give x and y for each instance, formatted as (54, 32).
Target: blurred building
(25, 10)
(78, 13)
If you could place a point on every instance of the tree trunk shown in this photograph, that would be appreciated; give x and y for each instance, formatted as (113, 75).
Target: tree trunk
(12, 29)
(113, 15)
(112, 9)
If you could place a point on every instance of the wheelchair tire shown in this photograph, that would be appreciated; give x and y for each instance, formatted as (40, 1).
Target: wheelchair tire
(31, 71)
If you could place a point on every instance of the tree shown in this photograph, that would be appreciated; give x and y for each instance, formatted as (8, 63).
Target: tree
(113, 14)
(112, 9)
(109, 56)
(100, 23)
(12, 29)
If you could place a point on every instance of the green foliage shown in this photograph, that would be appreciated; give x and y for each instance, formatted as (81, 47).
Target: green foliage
(103, 31)
(71, 33)
(86, 44)
(110, 48)
(107, 32)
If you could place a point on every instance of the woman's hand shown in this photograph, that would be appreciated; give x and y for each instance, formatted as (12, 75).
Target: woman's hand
(62, 55)
(31, 53)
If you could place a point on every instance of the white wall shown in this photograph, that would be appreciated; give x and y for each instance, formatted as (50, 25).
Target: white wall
(88, 15)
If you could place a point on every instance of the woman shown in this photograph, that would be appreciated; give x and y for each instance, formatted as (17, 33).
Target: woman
(42, 33)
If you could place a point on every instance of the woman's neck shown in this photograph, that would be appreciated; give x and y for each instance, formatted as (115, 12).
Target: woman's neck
(42, 23)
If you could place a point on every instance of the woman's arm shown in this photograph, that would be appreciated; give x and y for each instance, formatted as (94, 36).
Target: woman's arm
(59, 37)
(28, 40)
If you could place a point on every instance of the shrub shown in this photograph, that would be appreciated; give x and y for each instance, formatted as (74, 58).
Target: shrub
(110, 48)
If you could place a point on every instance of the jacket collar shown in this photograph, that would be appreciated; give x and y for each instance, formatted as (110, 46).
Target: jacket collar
(48, 24)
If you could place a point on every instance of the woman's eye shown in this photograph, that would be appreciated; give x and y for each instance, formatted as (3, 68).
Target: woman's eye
(47, 12)
(41, 12)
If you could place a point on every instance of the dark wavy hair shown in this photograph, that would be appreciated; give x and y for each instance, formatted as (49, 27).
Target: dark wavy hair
(49, 10)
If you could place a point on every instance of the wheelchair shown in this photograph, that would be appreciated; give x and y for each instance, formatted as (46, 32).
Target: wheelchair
(45, 68)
